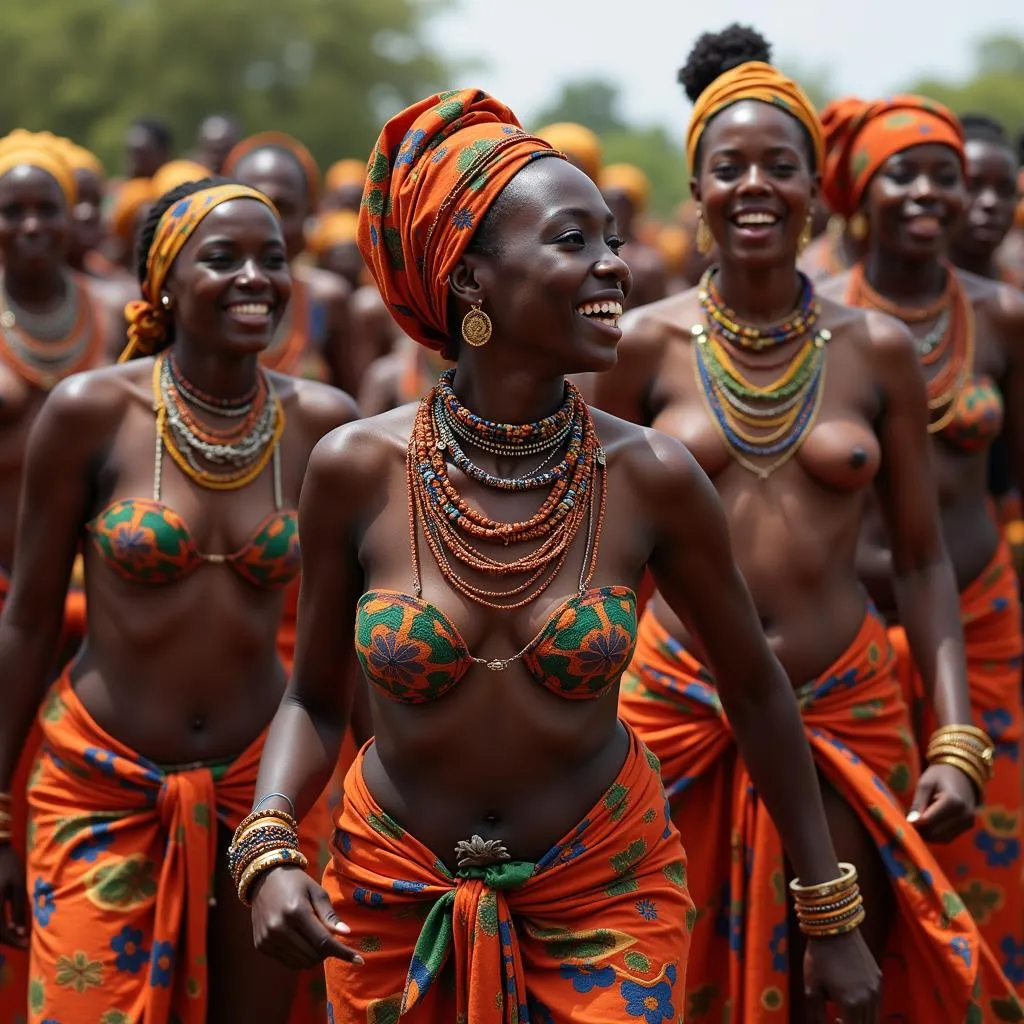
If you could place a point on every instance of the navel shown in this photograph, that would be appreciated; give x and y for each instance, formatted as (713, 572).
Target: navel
(858, 457)
(198, 723)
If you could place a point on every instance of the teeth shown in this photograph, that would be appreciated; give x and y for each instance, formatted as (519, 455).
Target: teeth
(251, 308)
(600, 309)
(756, 218)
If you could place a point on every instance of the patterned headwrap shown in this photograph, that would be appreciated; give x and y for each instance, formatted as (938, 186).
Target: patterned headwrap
(147, 318)
(81, 159)
(175, 173)
(278, 140)
(43, 151)
(331, 229)
(345, 172)
(630, 179)
(577, 142)
(860, 136)
(753, 80)
(436, 169)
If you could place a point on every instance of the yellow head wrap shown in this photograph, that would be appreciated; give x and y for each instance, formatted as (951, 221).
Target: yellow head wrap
(147, 318)
(81, 159)
(345, 172)
(337, 228)
(754, 80)
(630, 179)
(175, 173)
(578, 143)
(41, 150)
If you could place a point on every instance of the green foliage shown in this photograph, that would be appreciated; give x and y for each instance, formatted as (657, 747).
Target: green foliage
(328, 71)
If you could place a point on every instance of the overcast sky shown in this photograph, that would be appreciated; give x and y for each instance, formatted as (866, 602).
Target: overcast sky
(870, 47)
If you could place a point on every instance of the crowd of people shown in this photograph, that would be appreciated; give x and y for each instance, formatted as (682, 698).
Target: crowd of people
(653, 647)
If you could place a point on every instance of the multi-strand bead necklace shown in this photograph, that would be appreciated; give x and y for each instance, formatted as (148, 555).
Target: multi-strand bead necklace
(219, 459)
(451, 526)
(760, 420)
(949, 341)
(47, 347)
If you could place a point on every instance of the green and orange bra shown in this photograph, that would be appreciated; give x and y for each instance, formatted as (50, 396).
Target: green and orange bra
(977, 416)
(144, 541)
(412, 652)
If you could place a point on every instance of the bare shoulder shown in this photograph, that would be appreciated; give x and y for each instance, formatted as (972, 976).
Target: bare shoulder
(356, 456)
(324, 285)
(883, 340)
(659, 322)
(318, 407)
(834, 287)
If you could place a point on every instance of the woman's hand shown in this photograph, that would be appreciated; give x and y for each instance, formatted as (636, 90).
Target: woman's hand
(944, 804)
(841, 970)
(293, 920)
(13, 900)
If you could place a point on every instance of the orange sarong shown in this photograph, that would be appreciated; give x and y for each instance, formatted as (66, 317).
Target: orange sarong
(937, 967)
(598, 930)
(985, 864)
(121, 862)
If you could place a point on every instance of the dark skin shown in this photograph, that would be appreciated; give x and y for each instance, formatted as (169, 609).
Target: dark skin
(192, 674)
(218, 135)
(646, 266)
(144, 153)
(383, 383)
(915, 204)
(375, 332)
(795, 534)
(557, 251)
(346, 262)
(279, 177)
(991, 183)
(35, 237)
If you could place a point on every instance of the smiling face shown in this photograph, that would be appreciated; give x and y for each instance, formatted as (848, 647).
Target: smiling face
(992, 198)
(230, 283)
(553, 283)
(915, 201)
(35, 226)
(756, 183)
(279, 177)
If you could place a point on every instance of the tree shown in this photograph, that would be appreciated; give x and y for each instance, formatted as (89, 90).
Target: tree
(590, 102)
(328, 71)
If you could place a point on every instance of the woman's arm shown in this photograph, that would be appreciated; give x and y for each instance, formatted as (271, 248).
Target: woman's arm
(1009, 317)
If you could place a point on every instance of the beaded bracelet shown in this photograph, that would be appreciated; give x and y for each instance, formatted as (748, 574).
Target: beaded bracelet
(829, 908)
(240, 850)
(263, 864)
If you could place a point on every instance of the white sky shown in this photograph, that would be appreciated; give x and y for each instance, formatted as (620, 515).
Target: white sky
(870, 47)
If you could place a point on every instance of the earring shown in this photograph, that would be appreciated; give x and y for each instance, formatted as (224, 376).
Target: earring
(476, 327)
(165, 301)
(704, 239)
(857, 226)
(804, 239)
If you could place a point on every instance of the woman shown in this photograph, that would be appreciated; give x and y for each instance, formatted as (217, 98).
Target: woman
(176, 472)
(716, 368)
(900, 164)
(581, 146)
(343, 185)
(403, 375)
(332, 243)
(313, 340)
(524, 268)
(627, 191)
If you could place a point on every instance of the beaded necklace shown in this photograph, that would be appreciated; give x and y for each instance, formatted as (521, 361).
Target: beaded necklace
(951, 337)
(577, 495)
(46, 348)
(216, 459)
(760, 420)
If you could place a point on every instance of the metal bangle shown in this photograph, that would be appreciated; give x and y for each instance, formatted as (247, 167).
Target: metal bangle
(283, 796)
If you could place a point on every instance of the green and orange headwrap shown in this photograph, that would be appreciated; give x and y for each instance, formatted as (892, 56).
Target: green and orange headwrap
(753, 80)
(147, 318)
(278, 140)
(43, 151)
(860, 136)
(436, 169)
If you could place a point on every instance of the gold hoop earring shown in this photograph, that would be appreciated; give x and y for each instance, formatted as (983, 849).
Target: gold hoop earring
(476, 327)
(857, 226)
(704, 240)
(804, 239)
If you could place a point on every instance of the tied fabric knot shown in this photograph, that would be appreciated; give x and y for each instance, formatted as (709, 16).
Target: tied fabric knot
(475, 907)
(147, 327)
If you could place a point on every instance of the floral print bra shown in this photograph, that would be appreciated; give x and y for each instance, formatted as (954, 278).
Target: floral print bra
(412, 652)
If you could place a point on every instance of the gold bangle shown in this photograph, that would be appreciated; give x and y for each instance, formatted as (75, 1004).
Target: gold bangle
(946, 750)
(263, 864)
(963, 730)
(965, 737)
(967, 767)
(846, 880)
(841, 929)
(270, 846)
(829, 915)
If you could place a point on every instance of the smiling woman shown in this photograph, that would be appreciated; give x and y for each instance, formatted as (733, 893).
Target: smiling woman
(177, 473)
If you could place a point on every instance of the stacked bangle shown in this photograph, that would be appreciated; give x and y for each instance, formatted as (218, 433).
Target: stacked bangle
(965, 747)
(5, 817)
(263, 841)
(829, 908)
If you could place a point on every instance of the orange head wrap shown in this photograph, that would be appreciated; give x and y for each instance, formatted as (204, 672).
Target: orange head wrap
(753, 80)
(129, 199)
(860, 136)
(337, 228)
(147, 318)
(81, 159)
(578, 143)
(175, 173)
(436, 169)
(279, 140)
(345, 172)
(43, 151)
(630, 179)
